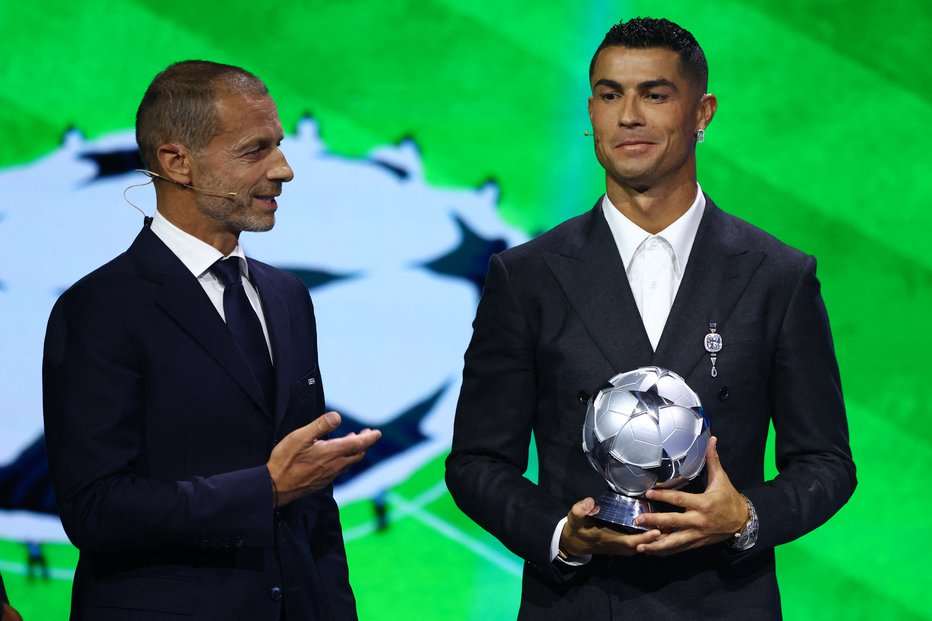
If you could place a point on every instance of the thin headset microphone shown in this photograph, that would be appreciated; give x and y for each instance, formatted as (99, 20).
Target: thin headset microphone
(150, 174)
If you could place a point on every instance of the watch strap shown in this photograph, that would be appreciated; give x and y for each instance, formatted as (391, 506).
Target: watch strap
(747, 536)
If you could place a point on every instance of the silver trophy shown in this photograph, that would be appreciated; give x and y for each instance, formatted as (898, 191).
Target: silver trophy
(646, 430)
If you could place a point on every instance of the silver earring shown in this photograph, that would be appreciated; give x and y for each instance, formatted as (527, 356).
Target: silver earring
(700, 135)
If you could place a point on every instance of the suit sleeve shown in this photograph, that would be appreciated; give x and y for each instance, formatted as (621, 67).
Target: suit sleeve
(94, 420)
(816, 471)
(492, 431)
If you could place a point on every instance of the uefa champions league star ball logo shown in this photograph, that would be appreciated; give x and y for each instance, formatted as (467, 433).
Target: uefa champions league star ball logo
(395, 267)
(646, 430)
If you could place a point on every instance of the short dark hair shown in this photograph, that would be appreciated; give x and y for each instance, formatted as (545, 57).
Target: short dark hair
(181, 105)
(647, 32)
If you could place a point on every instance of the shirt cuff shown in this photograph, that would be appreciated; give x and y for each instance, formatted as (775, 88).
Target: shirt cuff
(573, 561)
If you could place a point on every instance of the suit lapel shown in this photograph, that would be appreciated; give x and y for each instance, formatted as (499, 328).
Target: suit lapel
(183, 298)
(276, 319)
(593, 279)
(717, 274)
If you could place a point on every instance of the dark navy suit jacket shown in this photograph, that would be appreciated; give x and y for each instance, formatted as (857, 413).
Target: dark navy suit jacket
(557, 319)
(157, 441)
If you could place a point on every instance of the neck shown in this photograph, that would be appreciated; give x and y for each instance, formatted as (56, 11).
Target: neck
(654, 209)
(180, 210)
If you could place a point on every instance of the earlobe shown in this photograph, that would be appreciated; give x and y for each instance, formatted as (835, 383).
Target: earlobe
(704, 113)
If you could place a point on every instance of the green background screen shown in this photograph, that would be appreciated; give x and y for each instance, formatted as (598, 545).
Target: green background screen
(820, 138)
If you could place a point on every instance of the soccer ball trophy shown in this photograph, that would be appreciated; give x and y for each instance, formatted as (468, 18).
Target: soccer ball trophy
(646, 430)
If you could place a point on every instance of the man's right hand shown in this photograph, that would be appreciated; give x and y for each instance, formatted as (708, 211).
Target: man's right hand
(583, 535)
(304, 462)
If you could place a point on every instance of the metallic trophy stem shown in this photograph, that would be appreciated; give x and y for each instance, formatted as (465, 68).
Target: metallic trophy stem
(620, 511)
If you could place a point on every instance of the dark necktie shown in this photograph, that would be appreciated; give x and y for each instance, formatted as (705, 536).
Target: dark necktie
(244, 324)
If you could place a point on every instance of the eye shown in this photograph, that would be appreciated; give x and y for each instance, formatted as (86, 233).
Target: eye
(657, 97)
(255, 152)
(609, 97)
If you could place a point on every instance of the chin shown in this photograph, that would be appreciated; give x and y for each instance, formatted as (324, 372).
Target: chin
(258, 225)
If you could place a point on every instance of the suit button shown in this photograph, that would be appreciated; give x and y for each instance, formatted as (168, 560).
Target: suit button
(583, 397)
(205, 543)
(238, 542)
(275, 593)
(723, 393)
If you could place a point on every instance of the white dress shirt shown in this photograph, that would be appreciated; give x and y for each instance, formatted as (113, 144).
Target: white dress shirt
(654, 265)
(198, 257)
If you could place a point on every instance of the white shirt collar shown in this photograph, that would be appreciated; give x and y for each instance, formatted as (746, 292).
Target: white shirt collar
(196, 255)
(680, 234)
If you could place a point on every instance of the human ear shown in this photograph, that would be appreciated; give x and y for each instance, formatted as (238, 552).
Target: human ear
(705, 111)
(174, 160)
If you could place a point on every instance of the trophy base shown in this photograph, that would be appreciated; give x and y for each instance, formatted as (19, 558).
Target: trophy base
(620, 511)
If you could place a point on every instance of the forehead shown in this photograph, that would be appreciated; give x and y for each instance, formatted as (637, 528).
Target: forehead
(245, 116)
(631, 66)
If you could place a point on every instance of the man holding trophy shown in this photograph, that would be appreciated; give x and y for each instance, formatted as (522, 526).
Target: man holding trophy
(655, 276)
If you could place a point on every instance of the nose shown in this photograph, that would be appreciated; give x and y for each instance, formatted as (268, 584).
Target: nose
(630, 114)
(280, 169)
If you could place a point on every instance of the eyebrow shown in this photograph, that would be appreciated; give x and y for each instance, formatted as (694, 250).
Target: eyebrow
(655, 83)
(612, 84)
(643, 86)
(256, 142)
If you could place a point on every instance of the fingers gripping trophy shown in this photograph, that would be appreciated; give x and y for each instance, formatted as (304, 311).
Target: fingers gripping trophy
(646, 429)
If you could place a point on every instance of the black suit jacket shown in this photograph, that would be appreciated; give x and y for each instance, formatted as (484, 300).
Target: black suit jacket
(157, 441)
(557, 319)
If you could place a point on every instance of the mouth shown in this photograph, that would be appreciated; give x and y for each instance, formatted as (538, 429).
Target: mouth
(267, 199)
(633, 144)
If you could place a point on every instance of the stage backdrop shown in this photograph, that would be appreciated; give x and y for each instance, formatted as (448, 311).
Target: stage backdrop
(424, 137)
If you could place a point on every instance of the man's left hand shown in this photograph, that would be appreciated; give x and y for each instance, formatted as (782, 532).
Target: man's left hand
(710, 517)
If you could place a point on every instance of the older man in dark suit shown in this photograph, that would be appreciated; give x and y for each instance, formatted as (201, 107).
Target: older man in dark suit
(641, 280)
(183, 402)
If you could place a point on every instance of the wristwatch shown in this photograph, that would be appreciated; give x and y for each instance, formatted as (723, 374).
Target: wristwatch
(747, 536)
